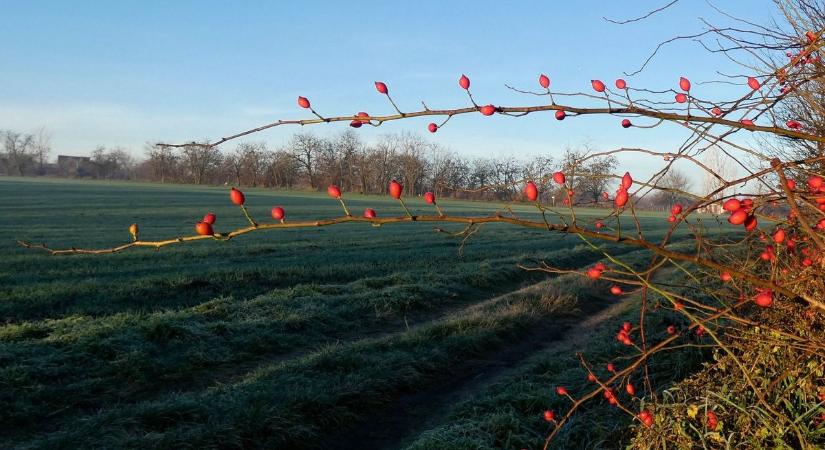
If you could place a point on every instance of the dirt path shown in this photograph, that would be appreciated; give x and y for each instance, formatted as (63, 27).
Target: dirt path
(417, 412)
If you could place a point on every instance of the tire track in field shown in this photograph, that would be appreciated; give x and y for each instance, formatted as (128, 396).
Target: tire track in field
(415, 413)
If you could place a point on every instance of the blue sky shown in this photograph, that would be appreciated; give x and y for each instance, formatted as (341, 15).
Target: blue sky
(124, 73)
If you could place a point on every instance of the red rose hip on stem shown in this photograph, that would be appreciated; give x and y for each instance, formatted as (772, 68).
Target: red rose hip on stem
(764, 298)
(303, 102)
(429, 197)
(560, 114)
(621, 198)
(487, 110)
(626, 123)
(464, 82)
(531, 191)
(209, 218)
(381, 87)
(561, 391)
(204, 229)
(544, 81)
(395, 189)
(621, 84)
(334, 191)
(597, 85)
(684, 84)
(627, 180)
(278, 213)
(559, 177)
(369, 213)
(236, 196)
(432, 127)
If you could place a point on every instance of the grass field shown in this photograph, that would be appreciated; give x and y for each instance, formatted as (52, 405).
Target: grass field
(338, 337)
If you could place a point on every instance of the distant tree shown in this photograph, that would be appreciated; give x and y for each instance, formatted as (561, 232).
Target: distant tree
(200, 161)
(19, 150)
(162, 162)
(41, 148)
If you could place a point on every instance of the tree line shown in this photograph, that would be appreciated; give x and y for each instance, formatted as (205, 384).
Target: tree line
(313, 162)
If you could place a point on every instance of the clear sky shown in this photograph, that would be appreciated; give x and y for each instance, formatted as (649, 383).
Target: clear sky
(124, 73)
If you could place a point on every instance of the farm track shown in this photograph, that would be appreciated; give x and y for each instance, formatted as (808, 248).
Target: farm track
(417, 412)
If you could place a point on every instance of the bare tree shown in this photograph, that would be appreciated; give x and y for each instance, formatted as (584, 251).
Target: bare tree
(41, 147)
(18, 148)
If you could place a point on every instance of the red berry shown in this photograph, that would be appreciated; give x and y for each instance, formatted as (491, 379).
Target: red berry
(681, 98)
(237, 197)
(531, 191)
(369, 213)
(209, 218)
(793, 124)
(598, 86)
(278, 213)
(559, 177)
(753, 83)
(627, 181)
(732, 205)
(725, 276)
(363, 114)
(381, 87)
(429, 197)
(615, 290)
(791, 184)
(599, 224)
(671, 329)
(544, 81)
(814, 183)
(746, 122)
(395, 189)
(630, 389)
(464, 82)
(764, 298)
(594, 273)
(204, 229)
(611, 367)
(334, 191)
(627, 326)
(646, 418)
(621, 198)
(713, 421)
(738, 217)
(355, 124)
(591, 377)
(671, 219)
(716, 111)
(549, 416)
(303, 102)
(676, 209)
(626, 123)
(621, 84)
(561, 391)
(779, 236)
(560, 114)
(432, 127)
(487, 110)
(600, 266)
(750, 223)
(684, 84)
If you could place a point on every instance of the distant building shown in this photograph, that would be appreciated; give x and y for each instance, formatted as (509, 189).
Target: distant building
(74, 166)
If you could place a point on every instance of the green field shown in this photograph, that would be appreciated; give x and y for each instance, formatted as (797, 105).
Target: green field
(349, 336)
